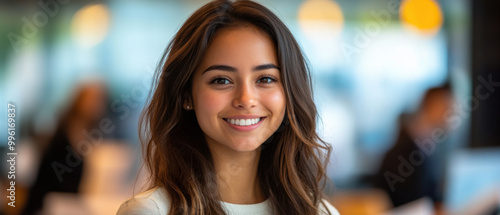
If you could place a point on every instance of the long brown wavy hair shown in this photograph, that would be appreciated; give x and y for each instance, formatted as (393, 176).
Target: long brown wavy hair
(292, 164)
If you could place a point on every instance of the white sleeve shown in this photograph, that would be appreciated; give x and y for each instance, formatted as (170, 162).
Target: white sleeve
(330, 207)
(139, 206)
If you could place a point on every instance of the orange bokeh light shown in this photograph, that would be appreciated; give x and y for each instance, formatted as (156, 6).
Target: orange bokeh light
(424, 16)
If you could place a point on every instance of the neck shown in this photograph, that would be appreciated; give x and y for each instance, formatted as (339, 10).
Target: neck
(74, 130)
(421, 126)
(237, 176)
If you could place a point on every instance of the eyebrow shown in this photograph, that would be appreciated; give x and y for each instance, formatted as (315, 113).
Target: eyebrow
(232, 69)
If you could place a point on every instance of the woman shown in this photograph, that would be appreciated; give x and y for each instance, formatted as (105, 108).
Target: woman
(230, 127)
(56, 172)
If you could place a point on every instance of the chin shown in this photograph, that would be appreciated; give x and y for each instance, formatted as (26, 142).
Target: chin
(244, 145)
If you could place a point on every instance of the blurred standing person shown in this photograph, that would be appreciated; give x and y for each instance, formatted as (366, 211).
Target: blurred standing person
(61, 165)
(409, 169)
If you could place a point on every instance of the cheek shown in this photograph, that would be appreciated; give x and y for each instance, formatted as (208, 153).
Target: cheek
(208, 103)
(275, 101)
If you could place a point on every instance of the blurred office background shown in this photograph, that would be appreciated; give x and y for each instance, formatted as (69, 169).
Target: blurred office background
(371, 61)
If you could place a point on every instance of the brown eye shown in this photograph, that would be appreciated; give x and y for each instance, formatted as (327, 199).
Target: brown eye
(266, 80)
(220, 81)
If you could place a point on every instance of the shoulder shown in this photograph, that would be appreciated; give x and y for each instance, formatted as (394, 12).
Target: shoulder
(153, 201)
(330, 207)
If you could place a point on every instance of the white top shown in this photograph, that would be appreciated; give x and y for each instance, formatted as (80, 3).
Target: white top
(155, 201)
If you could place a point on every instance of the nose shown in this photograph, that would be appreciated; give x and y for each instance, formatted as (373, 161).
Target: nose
(245, 97)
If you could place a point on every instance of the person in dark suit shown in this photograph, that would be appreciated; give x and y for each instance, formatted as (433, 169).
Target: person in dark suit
(409, 169)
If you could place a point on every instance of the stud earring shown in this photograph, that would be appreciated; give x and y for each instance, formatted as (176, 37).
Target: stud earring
(188, 107)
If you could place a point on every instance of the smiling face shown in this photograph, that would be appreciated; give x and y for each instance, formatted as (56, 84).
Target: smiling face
(237, 92)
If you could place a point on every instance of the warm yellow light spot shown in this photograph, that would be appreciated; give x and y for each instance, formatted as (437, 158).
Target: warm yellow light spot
(320, 16)
(422, 15)
(90, 25)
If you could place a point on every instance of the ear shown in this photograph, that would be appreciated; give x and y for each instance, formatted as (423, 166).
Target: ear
(187, 104)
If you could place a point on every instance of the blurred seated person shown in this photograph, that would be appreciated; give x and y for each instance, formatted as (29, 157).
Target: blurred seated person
(409, 169)
(62, 163)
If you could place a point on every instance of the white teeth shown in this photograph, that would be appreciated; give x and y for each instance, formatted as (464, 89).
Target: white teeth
(243, 122)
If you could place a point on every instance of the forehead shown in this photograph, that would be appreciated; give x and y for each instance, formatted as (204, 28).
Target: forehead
(240, 44)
